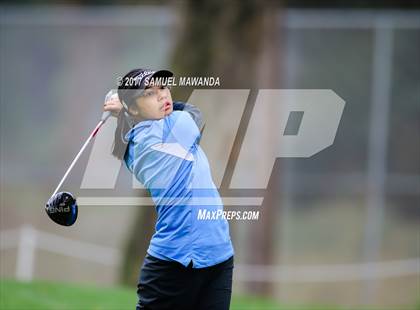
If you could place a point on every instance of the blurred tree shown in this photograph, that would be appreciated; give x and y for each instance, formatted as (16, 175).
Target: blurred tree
(137, 243)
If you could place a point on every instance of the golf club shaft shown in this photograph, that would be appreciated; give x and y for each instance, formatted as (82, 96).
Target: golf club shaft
(104, 117)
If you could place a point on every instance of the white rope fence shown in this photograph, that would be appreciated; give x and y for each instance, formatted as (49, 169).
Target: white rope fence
(328, 273)
(28, 239)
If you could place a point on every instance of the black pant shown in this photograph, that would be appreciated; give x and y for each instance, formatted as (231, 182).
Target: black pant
(170, 285)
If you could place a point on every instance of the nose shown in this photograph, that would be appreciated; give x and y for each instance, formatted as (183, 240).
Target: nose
(162, 94)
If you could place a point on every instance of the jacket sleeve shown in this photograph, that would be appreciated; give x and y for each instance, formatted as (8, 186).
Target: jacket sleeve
(180, 129)
(193, 111)
(164, 158)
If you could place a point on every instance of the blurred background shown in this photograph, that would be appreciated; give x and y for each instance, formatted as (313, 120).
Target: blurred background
(339, 229)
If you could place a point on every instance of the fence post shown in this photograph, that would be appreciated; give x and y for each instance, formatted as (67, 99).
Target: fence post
(26, 253)
(377, 153)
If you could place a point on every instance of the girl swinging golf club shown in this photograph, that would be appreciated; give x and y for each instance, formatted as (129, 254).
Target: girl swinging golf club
(189, 262)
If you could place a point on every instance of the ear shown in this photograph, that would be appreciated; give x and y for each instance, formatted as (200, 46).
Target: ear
(133, 110)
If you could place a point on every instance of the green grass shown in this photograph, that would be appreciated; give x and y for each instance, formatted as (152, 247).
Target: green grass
(43, 295)
(47, 295)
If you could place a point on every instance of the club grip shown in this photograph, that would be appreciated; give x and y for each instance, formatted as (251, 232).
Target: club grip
(107, 114)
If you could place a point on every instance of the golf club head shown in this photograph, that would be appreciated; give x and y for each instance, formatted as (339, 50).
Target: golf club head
(62, 208)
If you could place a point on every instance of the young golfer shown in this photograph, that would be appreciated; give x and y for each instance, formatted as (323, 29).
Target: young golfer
(189, 262)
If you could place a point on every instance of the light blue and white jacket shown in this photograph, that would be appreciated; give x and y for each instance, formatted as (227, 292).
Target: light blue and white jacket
(166, 158)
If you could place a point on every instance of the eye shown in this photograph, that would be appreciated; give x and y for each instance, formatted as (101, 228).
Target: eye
(148, 93)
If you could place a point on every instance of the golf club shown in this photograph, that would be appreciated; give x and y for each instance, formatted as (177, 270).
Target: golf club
(62, 207)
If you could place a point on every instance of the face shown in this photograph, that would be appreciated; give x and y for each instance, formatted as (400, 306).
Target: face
(154, 103)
